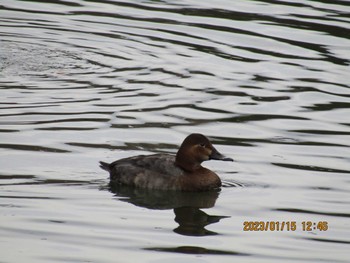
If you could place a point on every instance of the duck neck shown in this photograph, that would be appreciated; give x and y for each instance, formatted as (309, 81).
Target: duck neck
(186, 163)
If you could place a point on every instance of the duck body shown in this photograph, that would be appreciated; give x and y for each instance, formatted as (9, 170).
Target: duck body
(181, 172)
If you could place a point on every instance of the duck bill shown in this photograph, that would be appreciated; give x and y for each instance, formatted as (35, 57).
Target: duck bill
(215, 155)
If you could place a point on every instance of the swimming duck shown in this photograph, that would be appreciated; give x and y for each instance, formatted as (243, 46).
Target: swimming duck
(181, 172)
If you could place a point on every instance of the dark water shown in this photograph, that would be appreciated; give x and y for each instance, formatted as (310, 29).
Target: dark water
(83, 81)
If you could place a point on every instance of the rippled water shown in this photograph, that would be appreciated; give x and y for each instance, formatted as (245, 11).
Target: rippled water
(83, 81)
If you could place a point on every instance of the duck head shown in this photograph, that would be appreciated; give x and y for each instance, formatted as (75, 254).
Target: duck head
(194, 150)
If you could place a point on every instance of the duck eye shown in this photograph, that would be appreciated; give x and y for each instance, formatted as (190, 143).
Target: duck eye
(202, 144)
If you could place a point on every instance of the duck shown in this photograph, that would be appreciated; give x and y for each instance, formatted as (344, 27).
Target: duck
(162, 171)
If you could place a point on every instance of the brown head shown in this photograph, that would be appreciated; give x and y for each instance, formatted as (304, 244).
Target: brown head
(194, 150)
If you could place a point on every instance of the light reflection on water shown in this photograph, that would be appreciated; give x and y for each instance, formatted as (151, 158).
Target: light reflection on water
(85, 81)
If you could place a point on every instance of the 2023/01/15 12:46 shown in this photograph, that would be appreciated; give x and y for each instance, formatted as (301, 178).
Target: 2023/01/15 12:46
(284, 226)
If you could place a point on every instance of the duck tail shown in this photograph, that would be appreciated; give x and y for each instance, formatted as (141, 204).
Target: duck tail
(105, 166)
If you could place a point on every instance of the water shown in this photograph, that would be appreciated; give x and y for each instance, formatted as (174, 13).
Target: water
(83, 81)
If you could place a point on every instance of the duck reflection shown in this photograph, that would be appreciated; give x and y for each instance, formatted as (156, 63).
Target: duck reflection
(186, 205)
(192, 221)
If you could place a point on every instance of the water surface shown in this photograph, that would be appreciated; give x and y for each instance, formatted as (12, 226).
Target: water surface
(83, 81)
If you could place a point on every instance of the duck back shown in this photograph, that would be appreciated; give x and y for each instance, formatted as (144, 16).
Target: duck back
(156, 171)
